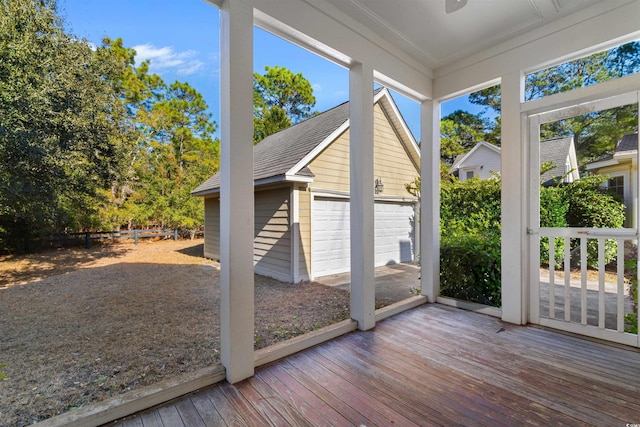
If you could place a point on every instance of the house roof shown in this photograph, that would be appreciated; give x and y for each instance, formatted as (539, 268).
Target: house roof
(628, 143)
(461, 158)
(627, 146)
(284, 156)
(555, 151)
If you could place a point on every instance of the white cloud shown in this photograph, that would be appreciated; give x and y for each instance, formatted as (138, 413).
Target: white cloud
(316, 87)
(165, 58)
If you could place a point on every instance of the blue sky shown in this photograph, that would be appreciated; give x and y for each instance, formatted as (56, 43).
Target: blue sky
(181, 38)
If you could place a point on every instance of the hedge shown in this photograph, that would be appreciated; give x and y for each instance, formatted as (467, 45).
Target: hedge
(470, 268)
(470, 230)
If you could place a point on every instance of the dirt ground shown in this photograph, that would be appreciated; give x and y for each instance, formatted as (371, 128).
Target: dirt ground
(78, 326)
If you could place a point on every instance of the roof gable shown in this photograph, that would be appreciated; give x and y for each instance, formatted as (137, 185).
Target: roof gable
(558, 151)
(285, 155)
(461, 159)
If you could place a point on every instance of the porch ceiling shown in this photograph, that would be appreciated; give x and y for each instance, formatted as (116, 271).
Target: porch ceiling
(422, 29)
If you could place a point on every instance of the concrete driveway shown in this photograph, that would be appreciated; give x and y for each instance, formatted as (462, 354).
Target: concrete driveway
(393, 282)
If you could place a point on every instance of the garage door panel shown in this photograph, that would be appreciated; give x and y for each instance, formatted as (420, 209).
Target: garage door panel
(393, 234)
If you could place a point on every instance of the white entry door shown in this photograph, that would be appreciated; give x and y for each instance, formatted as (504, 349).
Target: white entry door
(330, 243)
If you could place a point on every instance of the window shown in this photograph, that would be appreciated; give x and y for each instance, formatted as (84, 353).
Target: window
(469, 175)
(616, 185)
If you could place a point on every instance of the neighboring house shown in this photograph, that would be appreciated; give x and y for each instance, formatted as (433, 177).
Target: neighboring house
(483, 161)
(622, 169)
(480, 162)
(301, 189)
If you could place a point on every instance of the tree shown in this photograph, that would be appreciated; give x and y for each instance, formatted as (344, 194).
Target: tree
(182, 153)
(56, 127)
(280, 99)
(87, 139)
(171, 149)
(594, 134)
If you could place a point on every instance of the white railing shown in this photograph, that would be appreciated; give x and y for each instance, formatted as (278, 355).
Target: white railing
(601, 235)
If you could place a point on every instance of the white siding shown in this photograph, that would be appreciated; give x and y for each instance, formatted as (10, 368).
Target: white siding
(483, 162)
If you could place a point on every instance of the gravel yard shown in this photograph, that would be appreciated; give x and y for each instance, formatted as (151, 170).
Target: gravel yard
(78, 326)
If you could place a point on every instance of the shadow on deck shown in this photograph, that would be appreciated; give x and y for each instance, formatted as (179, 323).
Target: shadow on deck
(429, 365)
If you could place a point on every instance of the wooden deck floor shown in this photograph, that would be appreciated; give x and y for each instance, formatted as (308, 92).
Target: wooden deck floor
(433, 365)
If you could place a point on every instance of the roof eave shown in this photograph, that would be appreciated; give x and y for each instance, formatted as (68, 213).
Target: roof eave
(264, 181)
(629, 154)
(601, 164)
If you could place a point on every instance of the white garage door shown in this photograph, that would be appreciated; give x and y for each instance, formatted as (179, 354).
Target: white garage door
(394, 235)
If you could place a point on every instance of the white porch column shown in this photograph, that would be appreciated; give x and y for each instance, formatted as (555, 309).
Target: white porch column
(363, 291)
(236, 190)
(294, 227)
(514, 203)
(430, 199)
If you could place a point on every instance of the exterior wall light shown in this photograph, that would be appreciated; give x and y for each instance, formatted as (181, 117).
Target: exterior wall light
(379, 186)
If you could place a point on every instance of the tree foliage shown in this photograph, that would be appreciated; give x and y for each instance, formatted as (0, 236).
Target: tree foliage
(169, 135)
(595, 134)
(460, 131)
(280, 99)
(56, 130)
(87, 139)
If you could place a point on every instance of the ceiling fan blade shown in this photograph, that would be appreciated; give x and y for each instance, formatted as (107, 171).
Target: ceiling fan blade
(451, 6)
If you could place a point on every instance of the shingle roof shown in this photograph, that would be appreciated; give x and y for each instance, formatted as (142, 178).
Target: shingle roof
(628, 142)
(555, 151)
(278, 153)
(275, 155)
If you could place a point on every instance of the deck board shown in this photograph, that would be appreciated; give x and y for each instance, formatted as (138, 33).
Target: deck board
(432, 365)
(208, 412)
(151, 419)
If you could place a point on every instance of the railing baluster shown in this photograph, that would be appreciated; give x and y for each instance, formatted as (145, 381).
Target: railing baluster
(620, 263)
(601, 294)
(583, 280)
(567, 279)
(552, 277)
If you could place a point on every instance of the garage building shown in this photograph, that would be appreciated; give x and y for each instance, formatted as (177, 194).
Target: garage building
(301, 190)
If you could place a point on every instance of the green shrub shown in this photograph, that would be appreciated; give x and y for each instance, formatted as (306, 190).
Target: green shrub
(470, 226)
(470, 207)
(470, 244)
(470, 268)
(553, 210)
(591, 206)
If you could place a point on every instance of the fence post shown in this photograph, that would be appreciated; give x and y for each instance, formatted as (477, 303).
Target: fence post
(87, 240)
(175, 234)
(135, 237)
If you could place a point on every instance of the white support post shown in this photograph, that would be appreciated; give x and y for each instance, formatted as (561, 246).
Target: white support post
(430, 200)
(236, 190)
(361, 196)
(515, 296)
(294, 232)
